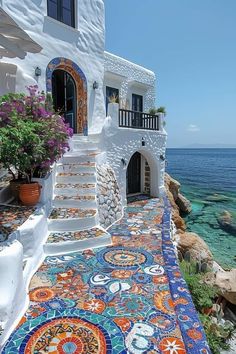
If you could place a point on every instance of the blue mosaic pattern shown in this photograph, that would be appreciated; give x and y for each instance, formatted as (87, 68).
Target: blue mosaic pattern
(134, 287)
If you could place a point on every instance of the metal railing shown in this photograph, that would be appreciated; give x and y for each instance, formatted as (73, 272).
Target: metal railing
(138, 120)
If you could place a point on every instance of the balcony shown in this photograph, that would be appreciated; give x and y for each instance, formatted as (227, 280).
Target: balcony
(139, 120)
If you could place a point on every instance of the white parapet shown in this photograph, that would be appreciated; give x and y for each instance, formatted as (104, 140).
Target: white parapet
(11, 284)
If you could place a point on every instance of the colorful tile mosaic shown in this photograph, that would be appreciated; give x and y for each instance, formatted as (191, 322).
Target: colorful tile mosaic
(65, 236)
(71, 213)
(12, 217)
(70, 174)
(75, 185)
(76, 197)
(126, 298)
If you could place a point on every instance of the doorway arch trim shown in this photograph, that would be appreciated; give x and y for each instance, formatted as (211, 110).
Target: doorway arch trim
(81, 89)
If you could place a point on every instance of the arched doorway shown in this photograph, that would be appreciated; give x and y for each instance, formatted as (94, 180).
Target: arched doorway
(134, 174)
(76, 87)
(138, 175)
(64, 96)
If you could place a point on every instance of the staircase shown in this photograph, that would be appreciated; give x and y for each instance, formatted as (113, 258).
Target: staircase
(73, 222)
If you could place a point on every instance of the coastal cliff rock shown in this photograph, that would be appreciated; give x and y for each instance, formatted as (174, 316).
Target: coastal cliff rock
(226, 283)
(198, 249)
(227, 222)
(180, 205)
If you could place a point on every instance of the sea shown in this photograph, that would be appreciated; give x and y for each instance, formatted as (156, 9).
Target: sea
(208, 180)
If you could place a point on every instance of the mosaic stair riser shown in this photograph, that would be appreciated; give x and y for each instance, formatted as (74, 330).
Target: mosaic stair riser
(75, 168)
(68, 191)
(70, 203)
(73, 224)
(68, 247)
(80, 178)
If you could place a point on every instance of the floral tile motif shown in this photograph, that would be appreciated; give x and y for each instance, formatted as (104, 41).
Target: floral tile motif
(74, 236)
(132, 294)
(75, 197)
(71, 213)
(13, 217)
(70, 174)
(75, 185)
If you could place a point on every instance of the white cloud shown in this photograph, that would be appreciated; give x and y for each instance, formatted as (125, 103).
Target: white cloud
(193, 128)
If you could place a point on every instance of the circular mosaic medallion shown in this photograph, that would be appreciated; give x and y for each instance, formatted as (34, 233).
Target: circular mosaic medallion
(42, 294)
(71, 331)
(122, 257)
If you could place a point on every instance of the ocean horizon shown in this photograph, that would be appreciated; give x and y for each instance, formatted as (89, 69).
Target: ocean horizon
(208, 180)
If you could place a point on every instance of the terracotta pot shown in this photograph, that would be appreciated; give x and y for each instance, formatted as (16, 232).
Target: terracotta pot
(15, 187)
(30, 193)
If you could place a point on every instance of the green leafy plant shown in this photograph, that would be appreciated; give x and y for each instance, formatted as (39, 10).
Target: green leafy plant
(202, 294)
(217, 334)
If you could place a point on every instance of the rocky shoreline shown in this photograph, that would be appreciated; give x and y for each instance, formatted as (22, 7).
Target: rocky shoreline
(195, 248)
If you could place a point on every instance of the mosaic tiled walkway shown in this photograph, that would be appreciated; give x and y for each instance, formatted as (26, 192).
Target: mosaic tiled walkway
(127, 298)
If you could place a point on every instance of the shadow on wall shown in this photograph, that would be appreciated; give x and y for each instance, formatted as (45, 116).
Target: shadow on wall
(7, 78)
(56, 30)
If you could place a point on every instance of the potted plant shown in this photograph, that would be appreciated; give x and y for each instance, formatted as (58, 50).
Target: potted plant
(32, 138)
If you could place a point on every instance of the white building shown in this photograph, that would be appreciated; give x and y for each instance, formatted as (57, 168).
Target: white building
(82, 78)
(59, 45)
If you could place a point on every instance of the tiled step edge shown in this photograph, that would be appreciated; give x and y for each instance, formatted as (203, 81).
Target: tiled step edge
(76, 224)
(70, 203)
(75, 246)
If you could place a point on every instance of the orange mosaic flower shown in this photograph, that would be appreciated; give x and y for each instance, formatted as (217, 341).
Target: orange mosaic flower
(181, 301)
(123, 323)
(172, 345)
(160, 279)
(41, 294)
(94, 305)
(121, 274)
(163, 301)
(66, 275)
(194, 334)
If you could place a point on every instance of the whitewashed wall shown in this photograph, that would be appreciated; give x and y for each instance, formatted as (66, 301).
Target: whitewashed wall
(121, 143)
(84, 45)
(129, 78)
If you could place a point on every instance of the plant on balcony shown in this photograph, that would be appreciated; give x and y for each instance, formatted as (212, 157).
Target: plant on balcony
(113, 98)
(32, 136)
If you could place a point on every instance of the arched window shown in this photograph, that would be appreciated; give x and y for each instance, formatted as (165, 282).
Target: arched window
(63, 11)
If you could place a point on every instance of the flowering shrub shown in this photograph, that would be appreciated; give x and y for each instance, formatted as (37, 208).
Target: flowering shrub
(32, 135)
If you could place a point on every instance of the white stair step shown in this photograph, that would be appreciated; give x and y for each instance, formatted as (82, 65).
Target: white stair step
(89, 146)
(67, 242)
(68, 190)
(74, 203)
(76, 178)
(76, 157)
(76, 168)
(72, 219)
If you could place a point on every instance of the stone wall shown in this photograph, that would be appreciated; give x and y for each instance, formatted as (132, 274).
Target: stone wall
(108, 196)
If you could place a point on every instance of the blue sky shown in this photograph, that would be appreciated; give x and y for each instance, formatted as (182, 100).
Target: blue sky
(191, 46)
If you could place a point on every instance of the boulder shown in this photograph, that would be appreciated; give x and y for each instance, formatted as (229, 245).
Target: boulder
(172, 185)
(198, 249)
(183, 204)
(227, 222)
(226, 283)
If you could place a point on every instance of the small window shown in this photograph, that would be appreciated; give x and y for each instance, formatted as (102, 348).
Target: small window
(112, 96)
(63, 11)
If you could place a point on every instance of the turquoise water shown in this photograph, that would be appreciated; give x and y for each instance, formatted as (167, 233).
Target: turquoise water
(208, 180)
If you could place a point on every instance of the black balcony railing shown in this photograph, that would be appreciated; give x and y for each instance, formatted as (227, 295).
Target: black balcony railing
(138, 120)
